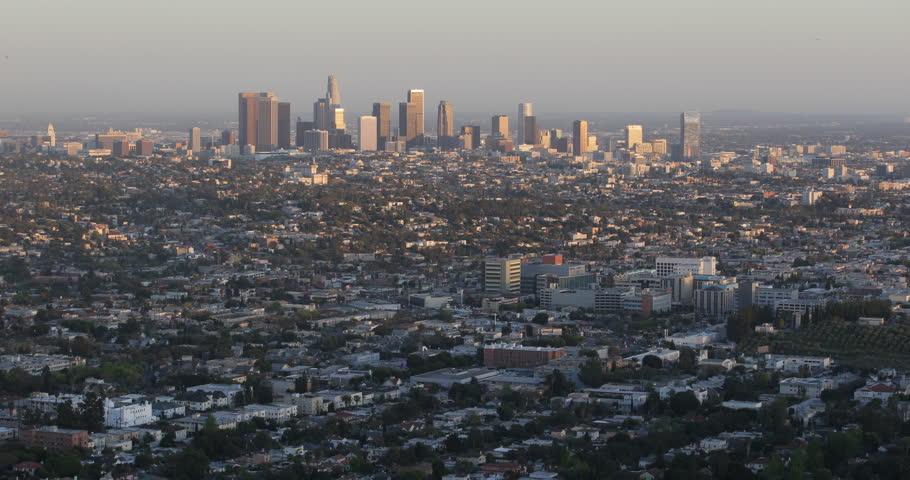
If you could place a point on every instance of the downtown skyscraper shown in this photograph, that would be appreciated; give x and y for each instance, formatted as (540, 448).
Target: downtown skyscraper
(530, 132)
(368, 140)
(690, 135)
(416, 96)
(580, 137)
(524, 110)
(195, 140)
(500, 126)
(445, 126)
(327, 112)
(258, 119)
(383, 113)
(284, 125)
(633, 136)
(411, 118)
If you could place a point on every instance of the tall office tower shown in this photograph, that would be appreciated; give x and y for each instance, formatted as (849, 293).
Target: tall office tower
(529, 133)
(659, 146)
(383, 113)
(368, 141)
(316, 140)
(227, 137)
(144, 148)
(524, 110)
(121, 148)
(320, 107)
(51, 135)
(445, 125)
(502, 275)
(690, 135)
(416, 96)
(500, 126)
(284, 125)
(470, 137)
(267, 130)
(302, 126)
(332, 94)
(195, 141)
(335, 119)
(633, 136)
(579, 137)
(407, 123)
(258, 120)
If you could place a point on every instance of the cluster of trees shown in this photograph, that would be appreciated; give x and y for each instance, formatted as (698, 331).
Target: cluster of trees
(88, 415)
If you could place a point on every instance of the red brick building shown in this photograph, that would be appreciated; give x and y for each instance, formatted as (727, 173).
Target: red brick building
(517, 356)
(53, 438)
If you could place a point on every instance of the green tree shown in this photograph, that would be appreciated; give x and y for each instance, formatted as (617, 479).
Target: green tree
(64, 465)
(688, 360)
(558, 385)
(189, 464)
(92, 412)
(652, 361)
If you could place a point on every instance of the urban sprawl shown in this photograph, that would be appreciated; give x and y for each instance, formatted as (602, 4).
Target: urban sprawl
(331, 299)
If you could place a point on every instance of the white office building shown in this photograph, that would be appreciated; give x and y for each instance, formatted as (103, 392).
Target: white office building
(369, 134)
(680, 266)
(124, 412)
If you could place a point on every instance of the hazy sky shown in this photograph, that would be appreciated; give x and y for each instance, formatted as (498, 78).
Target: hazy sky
(189, 56)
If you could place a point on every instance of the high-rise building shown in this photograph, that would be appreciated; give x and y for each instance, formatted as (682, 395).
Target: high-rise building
(368, 141)
(659, 146)
(195, 140)
(258, 114)
(470, 137)
(336, 119)
(327, 112)
(502, 275)
(105, 141)
(51, 135)
(339, 140)
(530, 134)
(690, 135)
(302, 126)
(315, 140)
(407, 123)
(144, 148)
(320, 109)
(633, 136)
(416, 96)
(715, 300)
(524, 110)
(332, 93)
(284, 125)
(121, 148)
(580, 137)
(500, 126)
(445, 125)
(227, 137)
(544, 139)
(383, 113)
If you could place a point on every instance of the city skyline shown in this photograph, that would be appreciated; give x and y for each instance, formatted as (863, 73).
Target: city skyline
(706, 57)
